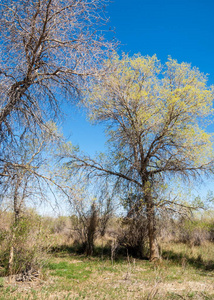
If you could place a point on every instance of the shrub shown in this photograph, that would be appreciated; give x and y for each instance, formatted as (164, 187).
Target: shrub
(23, 246)
(134, 236)
(194, 232)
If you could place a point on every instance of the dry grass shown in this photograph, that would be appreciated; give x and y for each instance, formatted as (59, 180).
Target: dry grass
(184, 273)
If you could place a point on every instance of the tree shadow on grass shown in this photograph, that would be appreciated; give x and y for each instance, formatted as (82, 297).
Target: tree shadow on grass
(79, 249)
(98, 252)
(105, 253)
(182, 259)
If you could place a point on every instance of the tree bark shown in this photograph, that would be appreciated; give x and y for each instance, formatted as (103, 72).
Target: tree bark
(153, 245)
(15, 201)
(15, 94)
(150, 212)
(10, 262)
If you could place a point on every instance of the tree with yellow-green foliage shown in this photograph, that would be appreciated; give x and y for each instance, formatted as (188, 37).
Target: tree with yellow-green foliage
(155, 117)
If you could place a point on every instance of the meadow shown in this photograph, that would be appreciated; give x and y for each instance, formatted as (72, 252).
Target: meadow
(185, 272)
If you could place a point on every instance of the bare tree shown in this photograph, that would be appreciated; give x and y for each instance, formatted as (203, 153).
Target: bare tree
(27, 180)
(47, 47)
(47, 51)
(29, 171)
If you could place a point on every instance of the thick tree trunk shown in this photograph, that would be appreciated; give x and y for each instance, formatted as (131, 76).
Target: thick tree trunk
(153, 245)
(150, 212)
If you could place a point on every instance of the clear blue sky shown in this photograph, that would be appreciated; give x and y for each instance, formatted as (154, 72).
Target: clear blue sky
(182, 29)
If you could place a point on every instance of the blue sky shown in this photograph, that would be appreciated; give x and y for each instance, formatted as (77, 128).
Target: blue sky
(182, 29)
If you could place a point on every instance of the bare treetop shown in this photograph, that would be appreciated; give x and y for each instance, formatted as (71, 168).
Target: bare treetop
(47, 48)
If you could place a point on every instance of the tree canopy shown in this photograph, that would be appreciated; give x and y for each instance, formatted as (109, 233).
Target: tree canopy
(156, 117)
(157, 113)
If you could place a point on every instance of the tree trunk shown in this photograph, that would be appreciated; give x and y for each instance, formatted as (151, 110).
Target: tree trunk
(15, 94)
(153, 245)
(15, 202)
(10, 262)
(16, 221)
(11, 257)
(150, 212)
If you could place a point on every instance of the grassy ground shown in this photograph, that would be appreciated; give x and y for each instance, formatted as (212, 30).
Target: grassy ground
(184, 273)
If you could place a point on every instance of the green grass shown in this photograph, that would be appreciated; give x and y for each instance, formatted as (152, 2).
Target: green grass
(80, 271)
(180, 275)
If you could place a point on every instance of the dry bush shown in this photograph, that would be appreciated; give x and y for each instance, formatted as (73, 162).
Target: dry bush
(91, 229)
(194, 232)
(168, 228)
(6, 220)
(24, 245)
(90, 223)
(85, 229)
(60, 225)
(134, 236)
(60, 229)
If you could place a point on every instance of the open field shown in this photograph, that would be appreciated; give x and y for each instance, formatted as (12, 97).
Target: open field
(184, 273)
